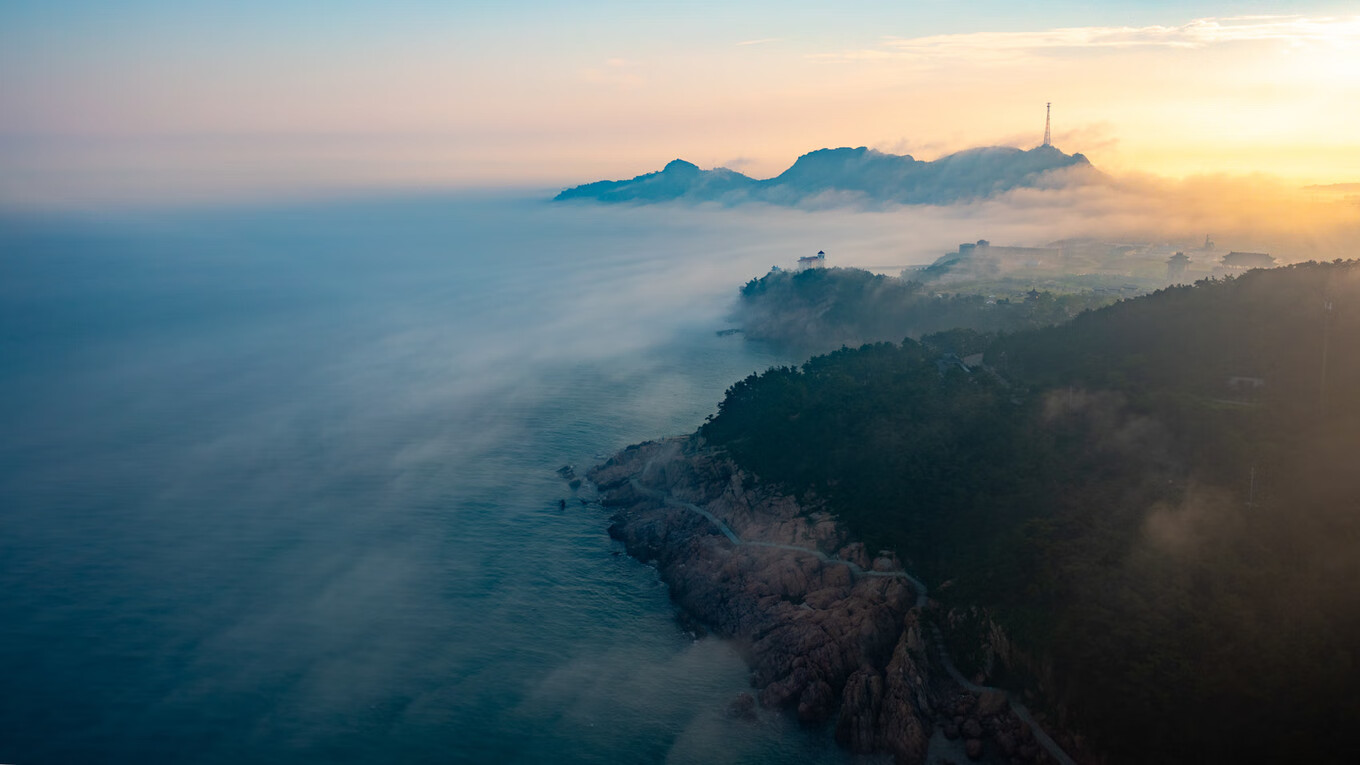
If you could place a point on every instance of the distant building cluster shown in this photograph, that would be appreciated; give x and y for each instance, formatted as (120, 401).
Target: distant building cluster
(1089, 266)
(1029, 256)
(1234, 262)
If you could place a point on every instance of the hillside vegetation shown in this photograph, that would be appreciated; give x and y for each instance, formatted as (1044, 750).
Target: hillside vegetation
(1148, 517)
(824, 308)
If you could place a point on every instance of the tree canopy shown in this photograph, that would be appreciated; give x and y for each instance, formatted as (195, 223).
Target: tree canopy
(1156, 502)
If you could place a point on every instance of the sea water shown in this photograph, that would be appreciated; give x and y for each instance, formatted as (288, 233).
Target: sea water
(277, 482)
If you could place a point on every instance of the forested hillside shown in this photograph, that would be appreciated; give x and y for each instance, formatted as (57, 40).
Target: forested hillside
(1156, 504)
(824, 308)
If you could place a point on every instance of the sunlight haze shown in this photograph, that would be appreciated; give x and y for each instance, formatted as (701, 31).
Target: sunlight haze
(697, 383)
(154, 99)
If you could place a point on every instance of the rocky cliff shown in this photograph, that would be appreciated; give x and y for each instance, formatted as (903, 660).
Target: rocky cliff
(829, 631)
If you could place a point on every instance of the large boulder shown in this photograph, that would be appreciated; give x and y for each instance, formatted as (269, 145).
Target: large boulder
(991, 702)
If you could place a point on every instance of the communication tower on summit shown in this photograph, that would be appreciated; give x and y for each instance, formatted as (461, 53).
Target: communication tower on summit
(1048, 115)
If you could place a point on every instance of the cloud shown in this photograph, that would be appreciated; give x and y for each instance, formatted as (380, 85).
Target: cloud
(761, 41)
(1183, 529)
(1200, 33)
(735, 163)
(616, 72)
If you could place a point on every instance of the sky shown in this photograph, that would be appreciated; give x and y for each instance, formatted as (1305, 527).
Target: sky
(154, 99)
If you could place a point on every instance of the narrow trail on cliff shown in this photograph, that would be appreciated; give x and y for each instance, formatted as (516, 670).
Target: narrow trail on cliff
(855, 569)
(1021, 711)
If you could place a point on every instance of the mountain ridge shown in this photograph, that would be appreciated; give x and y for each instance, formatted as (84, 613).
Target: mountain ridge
(868, 173)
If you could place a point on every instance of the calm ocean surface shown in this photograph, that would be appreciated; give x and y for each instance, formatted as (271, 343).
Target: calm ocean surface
(277, 483)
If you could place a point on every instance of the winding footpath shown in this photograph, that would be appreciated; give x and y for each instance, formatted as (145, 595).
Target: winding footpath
(1021, 711)
(855, 569)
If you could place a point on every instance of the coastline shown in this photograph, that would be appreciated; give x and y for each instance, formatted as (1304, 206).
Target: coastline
(830, 633)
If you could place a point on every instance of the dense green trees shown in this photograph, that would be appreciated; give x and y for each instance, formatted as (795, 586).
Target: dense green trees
(1157, 501)
(823, 308)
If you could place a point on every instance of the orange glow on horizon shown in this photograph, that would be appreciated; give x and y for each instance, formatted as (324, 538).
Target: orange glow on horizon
(1272, 95)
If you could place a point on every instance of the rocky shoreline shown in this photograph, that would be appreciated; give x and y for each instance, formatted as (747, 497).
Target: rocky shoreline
(829, 631)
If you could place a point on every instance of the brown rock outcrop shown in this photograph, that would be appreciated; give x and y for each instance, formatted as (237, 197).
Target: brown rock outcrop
(824, 637)
(743, 707)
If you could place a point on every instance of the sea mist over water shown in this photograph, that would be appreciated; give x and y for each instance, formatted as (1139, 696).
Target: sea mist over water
(277, 482)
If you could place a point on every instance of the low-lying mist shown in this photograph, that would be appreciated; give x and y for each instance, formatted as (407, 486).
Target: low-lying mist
(1250, 213)
(272, 470)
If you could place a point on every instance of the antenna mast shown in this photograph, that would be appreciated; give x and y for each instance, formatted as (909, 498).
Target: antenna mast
(1048, 114)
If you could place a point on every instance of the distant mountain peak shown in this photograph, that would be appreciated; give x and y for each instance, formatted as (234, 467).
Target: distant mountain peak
(680, 166)
(861, 172)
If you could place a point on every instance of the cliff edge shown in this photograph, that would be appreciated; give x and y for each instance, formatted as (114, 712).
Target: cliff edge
(829, 631)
